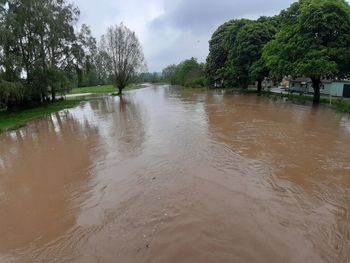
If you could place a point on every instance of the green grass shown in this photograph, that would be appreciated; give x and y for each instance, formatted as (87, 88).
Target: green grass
(102, 89)
(129, 87)
(94, 90)
(17, 119)
(341, 106)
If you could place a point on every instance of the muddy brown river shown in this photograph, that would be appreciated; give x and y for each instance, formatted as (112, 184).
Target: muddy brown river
(177, 175)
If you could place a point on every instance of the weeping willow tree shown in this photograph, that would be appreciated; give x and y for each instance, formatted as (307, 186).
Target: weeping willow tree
(37, 50)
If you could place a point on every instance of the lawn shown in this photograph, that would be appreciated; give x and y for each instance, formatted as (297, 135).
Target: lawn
(101, 89)
(14, 120)
(95, 90)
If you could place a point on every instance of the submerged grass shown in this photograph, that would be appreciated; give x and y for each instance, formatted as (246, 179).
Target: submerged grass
(17, 119)
(337, 104)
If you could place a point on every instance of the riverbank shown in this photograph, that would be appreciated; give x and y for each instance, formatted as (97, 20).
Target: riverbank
(17, 119)
(106, 89)
(93, 90)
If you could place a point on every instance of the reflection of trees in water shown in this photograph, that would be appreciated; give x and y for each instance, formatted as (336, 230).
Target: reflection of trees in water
(185, 94)
(130, 126)
(302, 145)
(45, 166)
(124, 121)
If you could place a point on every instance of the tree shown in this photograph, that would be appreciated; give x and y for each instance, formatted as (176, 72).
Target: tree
(85, 52)
(36, 40)
(124, 54)
(246, 53)
(313, 42)
(220, 45)
(148, 77)
(169, 74)
(188, 73)
(103, 66)
(218, 51)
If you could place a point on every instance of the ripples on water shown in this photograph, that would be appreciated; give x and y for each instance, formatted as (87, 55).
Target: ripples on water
(177, 175)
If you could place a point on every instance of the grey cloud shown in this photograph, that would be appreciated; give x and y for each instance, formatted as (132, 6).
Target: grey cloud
(193, 23)
(202, 16)
(181, 29)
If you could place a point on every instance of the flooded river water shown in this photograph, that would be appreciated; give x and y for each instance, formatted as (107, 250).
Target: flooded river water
(177, 175)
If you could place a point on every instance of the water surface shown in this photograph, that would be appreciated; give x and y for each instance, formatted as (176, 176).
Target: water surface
(177, 175)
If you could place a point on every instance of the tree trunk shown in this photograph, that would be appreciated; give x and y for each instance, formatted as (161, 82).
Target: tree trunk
(120, 91)
(53, 94)
(316, 84)
(43, 97)
(259, 86)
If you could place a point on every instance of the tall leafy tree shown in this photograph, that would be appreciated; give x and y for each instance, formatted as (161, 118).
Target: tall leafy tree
(124, 54)
(103, 65)
(37, 41)
(246, 52)
(85, 52)
(218, 50)
(169, 74)
(314, 42)
(221, 43)
(188, 73)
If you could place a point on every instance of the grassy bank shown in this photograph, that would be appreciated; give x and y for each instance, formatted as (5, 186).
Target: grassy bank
(94, 90)
(17, 119)
(101, 89)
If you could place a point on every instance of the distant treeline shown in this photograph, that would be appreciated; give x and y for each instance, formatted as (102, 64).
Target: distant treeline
(309, 39)
(188, 73)
(154, 77)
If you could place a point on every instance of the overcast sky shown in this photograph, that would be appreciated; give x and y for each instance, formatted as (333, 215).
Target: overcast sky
(172, 30)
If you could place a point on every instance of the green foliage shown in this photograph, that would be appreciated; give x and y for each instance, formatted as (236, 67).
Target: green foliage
(169, 74)
(10, 93)
(218, 50)
(40, 50)
(309, 39)
(188, 73)
(341, 106)
(236, 51)
(148, 78)
(313, 41)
